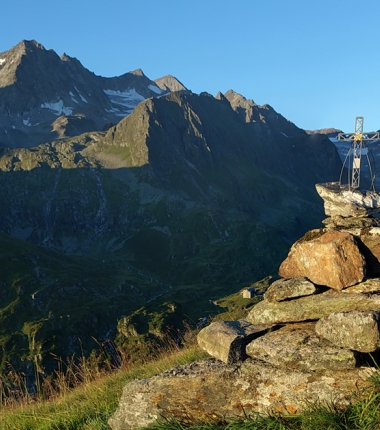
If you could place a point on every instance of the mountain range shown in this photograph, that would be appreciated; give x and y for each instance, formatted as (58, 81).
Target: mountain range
(44, 97)
(130, 204)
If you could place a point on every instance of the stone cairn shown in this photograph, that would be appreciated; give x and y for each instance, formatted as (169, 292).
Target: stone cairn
(313, 338)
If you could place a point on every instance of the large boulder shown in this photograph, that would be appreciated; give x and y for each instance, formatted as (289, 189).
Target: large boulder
(340, 200)
(289, 288)
(357, 330)
(297, 346)
(311, 307)
(330, 258)
(226, 340)
(210, 390)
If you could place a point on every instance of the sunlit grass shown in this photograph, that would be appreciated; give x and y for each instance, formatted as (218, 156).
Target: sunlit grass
(91, 404)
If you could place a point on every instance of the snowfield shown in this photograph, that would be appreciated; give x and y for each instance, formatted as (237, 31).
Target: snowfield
(124, 101)
(58, 107)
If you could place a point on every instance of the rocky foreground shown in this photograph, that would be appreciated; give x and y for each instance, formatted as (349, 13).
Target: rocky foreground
(314, 337)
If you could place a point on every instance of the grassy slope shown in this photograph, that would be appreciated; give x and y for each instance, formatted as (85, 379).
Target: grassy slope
(89, 406)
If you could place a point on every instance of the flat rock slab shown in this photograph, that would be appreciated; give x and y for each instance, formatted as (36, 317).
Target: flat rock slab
(289, 288)
(211, 390)
(226, 340)
(331, 258)
(342, 201)
(357, 330)
(371, 285)
(297, 346)
(311, 307)
(338, 221)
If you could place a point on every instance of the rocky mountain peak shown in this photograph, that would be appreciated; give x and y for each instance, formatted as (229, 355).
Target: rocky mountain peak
(32, 44)
(237, 99)
(170, 83)
(137, 72)
(11, 60)
(264, 118)
(65, 57)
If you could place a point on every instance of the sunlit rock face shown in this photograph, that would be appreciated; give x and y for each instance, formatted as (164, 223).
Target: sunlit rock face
(340, 200)
(330, 258)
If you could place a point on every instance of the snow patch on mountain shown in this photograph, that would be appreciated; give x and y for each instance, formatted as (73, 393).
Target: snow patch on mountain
(58, 107)
(155, 89)
(27, 123)
(124, 101)
(2, 61)
(82, 98)
(73, 97)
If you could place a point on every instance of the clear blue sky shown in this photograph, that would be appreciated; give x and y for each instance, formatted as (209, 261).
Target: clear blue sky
(316, 62)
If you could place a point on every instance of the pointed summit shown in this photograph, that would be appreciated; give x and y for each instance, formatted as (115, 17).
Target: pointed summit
(170, 83)
(137, 72)
(31, 44)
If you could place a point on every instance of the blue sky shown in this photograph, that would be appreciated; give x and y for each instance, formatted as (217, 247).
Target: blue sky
(316, 62)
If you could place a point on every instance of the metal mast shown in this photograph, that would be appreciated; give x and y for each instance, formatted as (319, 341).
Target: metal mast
(358, 148)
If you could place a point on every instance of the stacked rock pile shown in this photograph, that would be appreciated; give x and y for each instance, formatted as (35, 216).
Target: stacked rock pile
(324, 312)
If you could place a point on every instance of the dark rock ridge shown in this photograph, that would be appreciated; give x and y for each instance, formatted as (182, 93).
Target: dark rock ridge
(302, 343)
(37, 87)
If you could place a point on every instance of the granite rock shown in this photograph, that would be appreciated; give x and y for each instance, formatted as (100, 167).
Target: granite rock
(356, 330)
(311, 307)
(347, 202)
(330, 258)
(297, 346)
(368, 240)
(226, 340)
(210, 390)
(341, 222)
(289, 288)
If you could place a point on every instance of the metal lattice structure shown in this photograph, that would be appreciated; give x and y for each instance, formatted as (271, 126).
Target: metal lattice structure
(357, 150)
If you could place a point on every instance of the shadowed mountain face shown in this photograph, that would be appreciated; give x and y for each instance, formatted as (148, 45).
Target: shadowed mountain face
(187, 199)
(44, 97)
